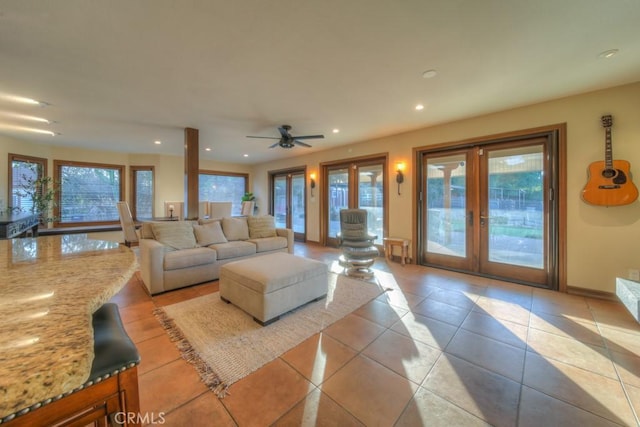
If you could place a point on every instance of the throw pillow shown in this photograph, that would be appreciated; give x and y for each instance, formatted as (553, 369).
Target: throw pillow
(262, 226)
(209, 233)
(235, 228)
(177, 234)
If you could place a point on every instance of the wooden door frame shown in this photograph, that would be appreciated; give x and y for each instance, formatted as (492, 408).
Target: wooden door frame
(559, 132)
(323, 183)
(289, 171)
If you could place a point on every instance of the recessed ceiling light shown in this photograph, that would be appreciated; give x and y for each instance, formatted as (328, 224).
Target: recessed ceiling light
(28, 129)
(419, 107)
(26, 117)
(608, 53)
(335, 130)
(157, 142)
(429, 74)
(245, 155)
(207, 149)
(23, 100)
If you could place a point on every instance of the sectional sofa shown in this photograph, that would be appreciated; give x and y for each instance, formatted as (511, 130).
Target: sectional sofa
(175, 254)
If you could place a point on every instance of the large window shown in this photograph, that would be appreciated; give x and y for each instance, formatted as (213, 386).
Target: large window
(88, 192)
(142, 191)
(223, 187)
(25, 172)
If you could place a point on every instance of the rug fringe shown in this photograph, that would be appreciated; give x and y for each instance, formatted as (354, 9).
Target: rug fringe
(207, 375)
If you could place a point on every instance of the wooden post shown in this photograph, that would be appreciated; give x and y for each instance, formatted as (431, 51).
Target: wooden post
(191, 169)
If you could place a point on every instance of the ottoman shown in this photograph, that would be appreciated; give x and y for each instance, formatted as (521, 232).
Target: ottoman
(268, 286)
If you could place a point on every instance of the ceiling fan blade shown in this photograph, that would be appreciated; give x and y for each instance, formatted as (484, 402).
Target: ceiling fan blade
(309, 137)
(275, 145)
(301, 143)
(284, 131)
(263, 137)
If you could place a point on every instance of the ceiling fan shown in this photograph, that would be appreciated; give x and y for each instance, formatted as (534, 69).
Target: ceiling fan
(286, 140)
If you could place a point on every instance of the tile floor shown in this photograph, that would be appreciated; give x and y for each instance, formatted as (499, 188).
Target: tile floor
(440, 348)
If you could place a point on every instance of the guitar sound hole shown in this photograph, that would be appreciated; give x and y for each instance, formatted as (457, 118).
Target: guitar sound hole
(609, 173)
(620, 178)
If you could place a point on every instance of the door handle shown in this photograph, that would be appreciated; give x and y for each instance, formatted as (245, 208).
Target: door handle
(483, 219)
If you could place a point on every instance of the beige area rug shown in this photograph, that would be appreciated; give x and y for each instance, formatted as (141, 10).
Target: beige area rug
(225, 344)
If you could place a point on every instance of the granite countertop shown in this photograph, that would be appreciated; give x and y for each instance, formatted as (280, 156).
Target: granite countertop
(49, 288)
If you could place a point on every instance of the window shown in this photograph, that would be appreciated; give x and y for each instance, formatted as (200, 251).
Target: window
(88, 192)
(142, 191)
(223, 187)
(25, 171)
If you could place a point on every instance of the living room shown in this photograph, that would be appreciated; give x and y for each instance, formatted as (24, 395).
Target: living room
(597, 244)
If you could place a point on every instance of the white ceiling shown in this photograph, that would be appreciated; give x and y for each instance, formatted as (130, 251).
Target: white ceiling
(120, 74)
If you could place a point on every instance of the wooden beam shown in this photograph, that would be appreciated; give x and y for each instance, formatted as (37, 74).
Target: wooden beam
(191, 167)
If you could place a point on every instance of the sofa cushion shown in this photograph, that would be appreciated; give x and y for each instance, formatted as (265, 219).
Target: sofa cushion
(188, 258)
(235, 228)
(209, 234)
(267, 244)
(177, 234)
(261, 226)
(234, 249)
(205, 221)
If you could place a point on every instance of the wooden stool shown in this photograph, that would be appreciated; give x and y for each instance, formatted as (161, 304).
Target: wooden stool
(390, 242)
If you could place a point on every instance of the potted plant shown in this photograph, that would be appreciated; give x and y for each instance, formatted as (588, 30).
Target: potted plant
(248, 203)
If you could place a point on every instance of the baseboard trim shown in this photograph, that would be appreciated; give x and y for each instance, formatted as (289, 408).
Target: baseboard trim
(592, 293)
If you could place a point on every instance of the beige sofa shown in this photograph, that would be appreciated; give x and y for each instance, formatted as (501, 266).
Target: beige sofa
(175, 254)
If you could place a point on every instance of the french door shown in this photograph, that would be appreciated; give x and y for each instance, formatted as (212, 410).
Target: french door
(289, 202)
(355, 184)
(490, 209)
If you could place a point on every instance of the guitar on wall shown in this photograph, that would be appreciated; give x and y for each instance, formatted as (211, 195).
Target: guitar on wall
(609, 182)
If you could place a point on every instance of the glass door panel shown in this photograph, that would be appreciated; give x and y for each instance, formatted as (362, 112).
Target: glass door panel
(298, 221)
(447, 230)
(338, 180)
(280, 200)
(371, 198)
(512, 218)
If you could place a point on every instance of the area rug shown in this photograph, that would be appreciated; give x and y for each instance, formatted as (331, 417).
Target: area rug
(225, 344)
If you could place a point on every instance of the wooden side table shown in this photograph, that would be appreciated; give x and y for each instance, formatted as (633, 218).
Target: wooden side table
(390, 242)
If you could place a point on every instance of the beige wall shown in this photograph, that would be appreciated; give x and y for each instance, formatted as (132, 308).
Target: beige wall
(602, 243)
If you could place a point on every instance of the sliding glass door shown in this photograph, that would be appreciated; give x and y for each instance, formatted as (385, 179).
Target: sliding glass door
(358, 184)
(490, 209)
(288, 201)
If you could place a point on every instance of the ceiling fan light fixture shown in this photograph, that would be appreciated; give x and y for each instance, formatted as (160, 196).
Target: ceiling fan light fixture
(429, 74)
(608, 53)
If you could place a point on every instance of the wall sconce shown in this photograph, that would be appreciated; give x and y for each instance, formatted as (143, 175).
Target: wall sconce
(399, 175)
(312, 182)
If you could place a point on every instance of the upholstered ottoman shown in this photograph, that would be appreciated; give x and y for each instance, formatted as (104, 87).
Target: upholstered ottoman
(270, 285)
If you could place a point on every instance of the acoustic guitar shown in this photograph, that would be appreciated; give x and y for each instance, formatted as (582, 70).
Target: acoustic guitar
(609, 182)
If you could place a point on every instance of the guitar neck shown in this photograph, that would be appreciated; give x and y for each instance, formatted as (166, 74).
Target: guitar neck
(607, 123)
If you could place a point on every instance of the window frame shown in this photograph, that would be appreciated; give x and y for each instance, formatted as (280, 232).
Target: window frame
(42, 172)
(59, 164)
(133, 190)
(226, 174)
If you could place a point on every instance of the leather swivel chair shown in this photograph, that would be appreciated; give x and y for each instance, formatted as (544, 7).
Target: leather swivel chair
(358, 248)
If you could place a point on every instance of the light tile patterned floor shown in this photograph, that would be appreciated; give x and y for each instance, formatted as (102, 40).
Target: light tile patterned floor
(440, 349)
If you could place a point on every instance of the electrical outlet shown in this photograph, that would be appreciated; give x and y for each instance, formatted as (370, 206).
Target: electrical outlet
(634, 274)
